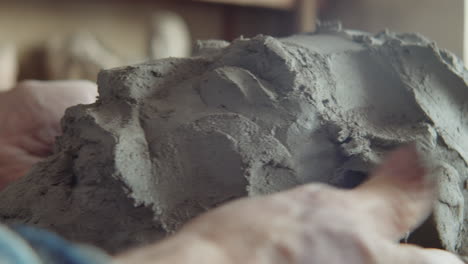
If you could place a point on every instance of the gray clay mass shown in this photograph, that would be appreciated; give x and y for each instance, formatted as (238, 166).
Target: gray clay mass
(172, 138)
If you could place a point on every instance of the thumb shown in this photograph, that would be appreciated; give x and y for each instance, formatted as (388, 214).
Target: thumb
(399, 195)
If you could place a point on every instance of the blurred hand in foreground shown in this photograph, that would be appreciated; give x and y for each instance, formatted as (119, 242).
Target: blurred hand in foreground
(30, 116)
(314, 224)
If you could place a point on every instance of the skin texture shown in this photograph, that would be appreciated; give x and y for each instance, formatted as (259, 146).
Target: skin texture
(313, 224)
(30, 116)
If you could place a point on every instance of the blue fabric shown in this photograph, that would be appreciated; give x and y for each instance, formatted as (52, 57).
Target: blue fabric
(14, 250)
(28, 245)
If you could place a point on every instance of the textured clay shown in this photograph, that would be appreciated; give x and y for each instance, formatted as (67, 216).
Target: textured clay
(172, 138)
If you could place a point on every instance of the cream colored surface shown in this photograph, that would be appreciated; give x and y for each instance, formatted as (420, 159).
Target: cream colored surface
(123, 27)
(170, 36)
(441, 21)
(8, 66)
(79, 56)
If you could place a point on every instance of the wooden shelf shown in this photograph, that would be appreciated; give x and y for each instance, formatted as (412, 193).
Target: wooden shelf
(275, 4)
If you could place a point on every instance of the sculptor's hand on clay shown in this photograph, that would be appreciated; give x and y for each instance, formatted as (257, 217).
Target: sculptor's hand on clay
(313, 224)
(30, 117)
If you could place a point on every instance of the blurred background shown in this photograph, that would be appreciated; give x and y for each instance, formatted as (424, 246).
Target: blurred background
(51, 39)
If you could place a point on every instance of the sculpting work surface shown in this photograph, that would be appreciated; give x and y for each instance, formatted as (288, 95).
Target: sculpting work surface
(172, 138)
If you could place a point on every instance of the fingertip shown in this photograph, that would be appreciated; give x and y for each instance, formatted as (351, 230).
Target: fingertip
(399, 192)
(404, 169)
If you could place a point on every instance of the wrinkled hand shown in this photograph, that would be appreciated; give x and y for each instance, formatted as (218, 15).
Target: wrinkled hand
(313, 224)
(30, 117)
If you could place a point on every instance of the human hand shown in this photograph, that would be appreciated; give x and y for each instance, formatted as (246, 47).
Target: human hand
(30, 117)
(314, 224)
